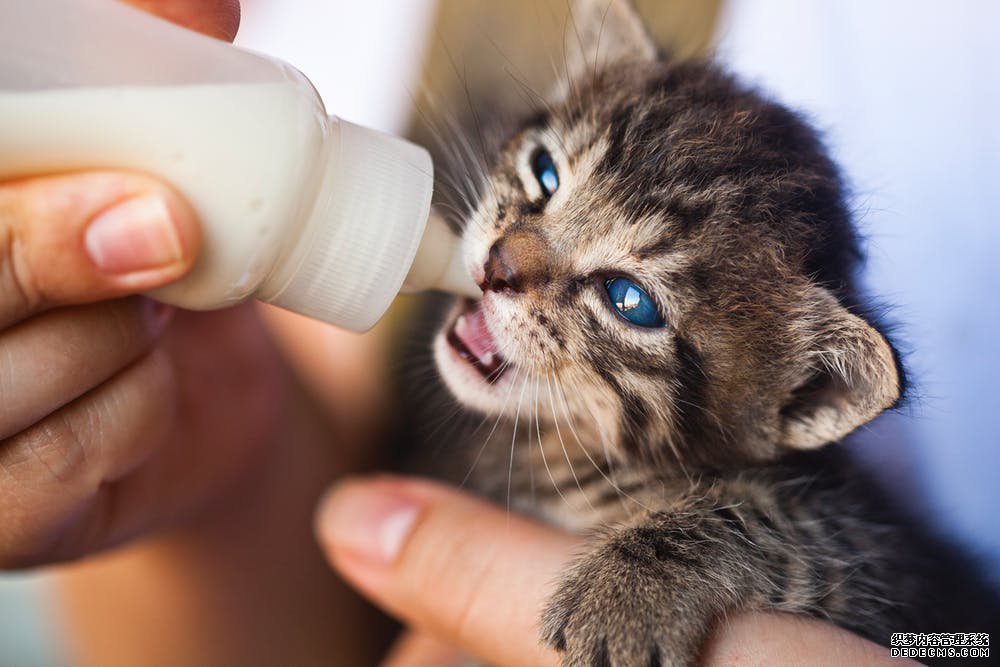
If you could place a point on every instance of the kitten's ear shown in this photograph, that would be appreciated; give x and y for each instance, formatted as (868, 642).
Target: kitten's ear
(855, 375)
(602, 32)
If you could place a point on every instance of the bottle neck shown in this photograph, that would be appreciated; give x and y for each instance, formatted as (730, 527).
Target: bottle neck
(439, 263)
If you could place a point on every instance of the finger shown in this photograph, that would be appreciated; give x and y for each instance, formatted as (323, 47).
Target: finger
(52, 359)
(419, 649)
(82, 238)
(59, 496)
(447, 564)
(218, 18)
(782, 639)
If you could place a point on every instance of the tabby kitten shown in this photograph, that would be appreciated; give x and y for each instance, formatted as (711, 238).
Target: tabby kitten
(668, 336)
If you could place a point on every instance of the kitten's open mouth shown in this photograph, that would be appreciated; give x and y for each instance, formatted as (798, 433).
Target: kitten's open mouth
(472, 341)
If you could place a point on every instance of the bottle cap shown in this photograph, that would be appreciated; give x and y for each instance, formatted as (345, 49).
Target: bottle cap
(362, 236)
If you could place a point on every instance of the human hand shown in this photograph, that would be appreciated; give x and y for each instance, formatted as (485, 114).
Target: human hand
(111, 422)
(115, 420)
(469, 579)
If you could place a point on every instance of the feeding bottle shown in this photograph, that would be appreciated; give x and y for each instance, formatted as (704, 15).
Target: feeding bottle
(298, 208)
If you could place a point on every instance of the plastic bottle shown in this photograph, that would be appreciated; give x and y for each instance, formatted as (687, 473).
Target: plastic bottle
(298, 208)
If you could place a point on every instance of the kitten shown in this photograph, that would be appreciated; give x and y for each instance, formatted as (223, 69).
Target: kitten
(669, 337)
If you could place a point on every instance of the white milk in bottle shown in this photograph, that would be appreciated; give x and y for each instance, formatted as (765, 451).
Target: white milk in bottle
(298, 208)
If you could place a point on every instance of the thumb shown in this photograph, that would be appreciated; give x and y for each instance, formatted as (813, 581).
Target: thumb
(218, 18)
(80, 238)
(415, 649)
(447, 564)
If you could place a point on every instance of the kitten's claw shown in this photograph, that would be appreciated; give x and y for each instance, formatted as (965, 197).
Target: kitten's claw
(623, 608)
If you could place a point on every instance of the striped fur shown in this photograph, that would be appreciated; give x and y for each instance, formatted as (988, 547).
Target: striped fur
(690, 453)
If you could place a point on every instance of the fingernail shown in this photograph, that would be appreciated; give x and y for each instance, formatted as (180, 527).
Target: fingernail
(371, 523)
(156, 315)
(138, 234)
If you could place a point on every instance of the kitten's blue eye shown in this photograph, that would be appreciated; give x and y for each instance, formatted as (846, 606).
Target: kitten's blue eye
(545, 172)
(632, 303)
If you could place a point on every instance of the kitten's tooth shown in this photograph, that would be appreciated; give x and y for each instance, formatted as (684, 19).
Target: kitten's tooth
(487, 359)
(460, 323)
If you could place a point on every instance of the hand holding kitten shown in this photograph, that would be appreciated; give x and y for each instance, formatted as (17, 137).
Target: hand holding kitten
(467, 578)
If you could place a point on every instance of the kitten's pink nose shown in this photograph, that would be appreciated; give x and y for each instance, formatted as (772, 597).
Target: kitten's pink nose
(516, 262)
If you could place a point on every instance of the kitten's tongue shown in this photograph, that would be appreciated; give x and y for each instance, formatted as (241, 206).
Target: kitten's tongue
(472, 331)
(472, 339)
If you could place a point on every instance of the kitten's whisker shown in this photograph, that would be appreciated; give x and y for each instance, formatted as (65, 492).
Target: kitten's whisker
(562, 443)
(516, 75)
(446, 419)
(474, 113)
(470, 162)
(541, 449)
(496, 423)
(513, 441)
(475, 160)
(499, 372)
(565, 405)
(467, 193)
(604, 447)
(482, 422)
(604, 440)
(449, 208)
(571, 91)
(718, 421)
(450, 435)
(446, 406)
(531, 467)
(597, 48)
(657, 453)
(535, 99)
(466, 174)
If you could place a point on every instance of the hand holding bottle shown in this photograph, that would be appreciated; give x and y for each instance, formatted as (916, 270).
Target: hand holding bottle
(111, 423)
(300, 209)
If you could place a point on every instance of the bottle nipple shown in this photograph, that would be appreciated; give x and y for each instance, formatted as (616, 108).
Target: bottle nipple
(438, 263)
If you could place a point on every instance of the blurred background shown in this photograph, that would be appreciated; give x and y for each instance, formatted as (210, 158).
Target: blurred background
(906, 93)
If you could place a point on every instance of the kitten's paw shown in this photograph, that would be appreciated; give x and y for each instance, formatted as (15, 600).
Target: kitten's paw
(626, 604)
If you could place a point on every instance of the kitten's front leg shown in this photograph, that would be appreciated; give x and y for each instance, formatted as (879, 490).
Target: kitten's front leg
(647, 594)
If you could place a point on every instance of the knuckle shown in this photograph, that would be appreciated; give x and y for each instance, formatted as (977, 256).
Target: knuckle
(78, 446)
(27, 206)
(162, 374)
(121, 420)
(160, 381)
(18, 290)
(97, 524)
(56, 447)
(471, 604)
(141, 411)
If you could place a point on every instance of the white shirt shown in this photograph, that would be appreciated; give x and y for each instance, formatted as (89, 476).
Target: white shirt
(908, 95)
